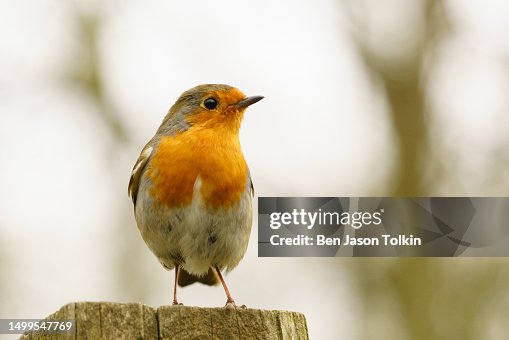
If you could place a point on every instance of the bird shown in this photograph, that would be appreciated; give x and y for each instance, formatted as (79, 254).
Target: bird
(192, 190)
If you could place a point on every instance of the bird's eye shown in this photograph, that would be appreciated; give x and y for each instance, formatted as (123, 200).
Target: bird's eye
(210, 103)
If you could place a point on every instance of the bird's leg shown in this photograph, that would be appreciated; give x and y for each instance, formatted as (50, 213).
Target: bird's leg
(229, 300)
(175, 302)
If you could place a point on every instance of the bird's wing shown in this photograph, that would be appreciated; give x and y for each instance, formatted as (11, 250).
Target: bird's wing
(134, 181)
(250, 183)
(252, 187)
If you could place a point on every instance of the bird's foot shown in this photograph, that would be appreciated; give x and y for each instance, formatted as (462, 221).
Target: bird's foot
(175, 303)
(231, 304)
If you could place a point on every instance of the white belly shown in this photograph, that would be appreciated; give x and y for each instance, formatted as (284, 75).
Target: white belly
(195, 237)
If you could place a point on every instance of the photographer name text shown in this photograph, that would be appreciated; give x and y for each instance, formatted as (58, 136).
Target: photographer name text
(322, 240)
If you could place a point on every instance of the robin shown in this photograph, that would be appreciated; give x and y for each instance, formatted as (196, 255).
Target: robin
(192, 190)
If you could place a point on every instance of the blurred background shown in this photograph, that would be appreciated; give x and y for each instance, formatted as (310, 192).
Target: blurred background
(362, 98)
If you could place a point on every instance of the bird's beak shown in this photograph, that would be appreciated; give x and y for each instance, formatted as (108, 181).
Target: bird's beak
(248, 101)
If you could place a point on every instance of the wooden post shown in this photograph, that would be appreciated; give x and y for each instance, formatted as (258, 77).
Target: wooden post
(109, 320)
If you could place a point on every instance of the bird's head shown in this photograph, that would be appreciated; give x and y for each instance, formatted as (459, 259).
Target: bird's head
(208, 106)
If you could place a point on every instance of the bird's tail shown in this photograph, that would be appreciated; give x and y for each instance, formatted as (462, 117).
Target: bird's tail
(186, 279)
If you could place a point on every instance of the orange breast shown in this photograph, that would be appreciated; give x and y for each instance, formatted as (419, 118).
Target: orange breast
(212, 154)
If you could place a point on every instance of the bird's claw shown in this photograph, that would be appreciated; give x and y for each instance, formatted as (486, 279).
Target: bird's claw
(231, 304)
